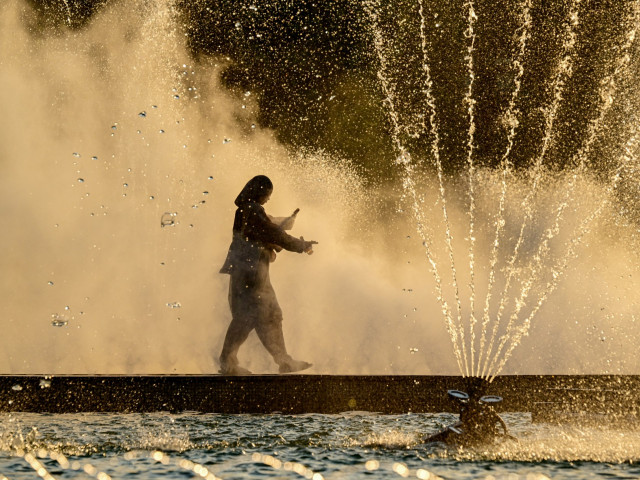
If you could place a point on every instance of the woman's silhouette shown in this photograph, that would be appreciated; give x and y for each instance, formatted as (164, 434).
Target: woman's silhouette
(256, 239)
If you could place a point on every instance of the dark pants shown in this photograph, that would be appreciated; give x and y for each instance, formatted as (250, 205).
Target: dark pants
(253, 305)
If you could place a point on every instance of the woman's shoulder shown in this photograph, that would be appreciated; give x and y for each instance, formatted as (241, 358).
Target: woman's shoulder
(252, 207)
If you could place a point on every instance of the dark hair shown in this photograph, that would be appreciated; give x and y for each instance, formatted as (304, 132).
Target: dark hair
(256, 188)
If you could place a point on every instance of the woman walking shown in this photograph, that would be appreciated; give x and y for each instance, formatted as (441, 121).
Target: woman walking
(256, 239)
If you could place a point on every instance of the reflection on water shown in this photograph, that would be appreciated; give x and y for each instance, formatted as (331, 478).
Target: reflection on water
(353, 445)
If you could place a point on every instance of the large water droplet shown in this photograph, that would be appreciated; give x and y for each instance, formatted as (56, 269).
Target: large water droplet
(58, 320)
(168, 219)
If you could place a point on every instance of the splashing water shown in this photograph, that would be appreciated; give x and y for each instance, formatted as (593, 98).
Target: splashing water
(81, 91)
(495, 348)
(408, 184)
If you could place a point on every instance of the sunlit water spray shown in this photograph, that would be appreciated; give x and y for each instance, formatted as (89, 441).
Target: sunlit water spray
(512, 121)
(118, 217)
(491, 356)
(562, 73)
(408, 182)
(607, 94)
(129, 195)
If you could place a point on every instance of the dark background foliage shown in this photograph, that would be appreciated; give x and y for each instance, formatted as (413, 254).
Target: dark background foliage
(313, 68)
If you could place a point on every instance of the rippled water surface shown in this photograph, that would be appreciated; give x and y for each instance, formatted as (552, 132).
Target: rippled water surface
(353, 445)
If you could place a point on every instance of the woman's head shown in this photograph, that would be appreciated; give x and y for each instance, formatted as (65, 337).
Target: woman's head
(257, 190)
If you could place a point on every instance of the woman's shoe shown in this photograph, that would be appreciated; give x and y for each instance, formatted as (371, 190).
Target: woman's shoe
(291, 366)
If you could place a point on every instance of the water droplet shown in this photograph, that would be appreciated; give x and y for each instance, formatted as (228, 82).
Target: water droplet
(176, 96)
(45, 383)
(154, 106)
(95, 157)
(205, 193)
(210, 177)
(168, 219)
(253, 125)
(151, 197)
(125, 185)
(50, 283)
(142, 114)
(76, 154)
(160, 131)
(226, 140)
(114, 126)
(174, 305)
(58, 320)
(80, 180)
(16, 388)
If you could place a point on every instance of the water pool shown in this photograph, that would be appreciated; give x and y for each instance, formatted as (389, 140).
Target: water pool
(353, 445)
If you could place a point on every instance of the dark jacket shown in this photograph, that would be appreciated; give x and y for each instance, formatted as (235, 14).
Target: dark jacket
(254, 236)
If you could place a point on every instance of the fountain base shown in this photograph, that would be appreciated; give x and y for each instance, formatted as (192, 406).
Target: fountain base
(601, 396)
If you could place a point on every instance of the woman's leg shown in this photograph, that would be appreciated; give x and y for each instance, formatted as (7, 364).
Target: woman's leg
(269, 330)
(237, 333)
(239, 329)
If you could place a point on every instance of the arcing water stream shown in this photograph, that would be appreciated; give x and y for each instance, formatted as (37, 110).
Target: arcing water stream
(122, 151)
(494, 352)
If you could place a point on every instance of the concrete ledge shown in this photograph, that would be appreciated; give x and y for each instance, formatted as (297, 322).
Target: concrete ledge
(296, 394)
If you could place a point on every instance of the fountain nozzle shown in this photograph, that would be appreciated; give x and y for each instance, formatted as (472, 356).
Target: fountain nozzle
(479, 422)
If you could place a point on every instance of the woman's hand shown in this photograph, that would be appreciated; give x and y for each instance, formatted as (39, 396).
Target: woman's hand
(308, 246)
